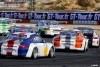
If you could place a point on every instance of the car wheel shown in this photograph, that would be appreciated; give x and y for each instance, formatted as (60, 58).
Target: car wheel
(35, 53)
(51, 53)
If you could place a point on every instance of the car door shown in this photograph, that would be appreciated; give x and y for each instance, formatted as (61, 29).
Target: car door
(41, 46)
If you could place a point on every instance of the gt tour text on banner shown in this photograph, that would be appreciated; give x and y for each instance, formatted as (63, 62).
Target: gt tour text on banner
(50, 16)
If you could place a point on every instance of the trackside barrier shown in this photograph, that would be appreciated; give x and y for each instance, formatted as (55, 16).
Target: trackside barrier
(62, 22)
(87, 18)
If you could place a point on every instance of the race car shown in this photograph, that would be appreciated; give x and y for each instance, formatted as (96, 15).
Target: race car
(71, 39)
(47, 27)
(8, 21)
(91, 35)
(5, 24)
(22, 28)
(29, 45)
(4, 27)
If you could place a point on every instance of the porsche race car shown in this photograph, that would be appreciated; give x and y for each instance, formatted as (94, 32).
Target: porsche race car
(5, 24)
(91, 35)
(28, 45)
(71, 39)
(22, 28)
(47, 27)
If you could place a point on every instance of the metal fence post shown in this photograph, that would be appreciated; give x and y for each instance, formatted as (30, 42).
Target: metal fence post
(32, 5)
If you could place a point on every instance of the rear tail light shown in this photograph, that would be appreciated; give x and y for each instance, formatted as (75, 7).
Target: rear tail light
(95, 37)
(46, 28)
(23, 46)
(57, 38)
(57, 41)
(79, 41)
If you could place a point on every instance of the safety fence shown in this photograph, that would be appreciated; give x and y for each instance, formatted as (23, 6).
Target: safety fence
(62, 22)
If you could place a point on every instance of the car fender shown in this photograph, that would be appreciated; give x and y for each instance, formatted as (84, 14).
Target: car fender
(49, 47)
(30, 50)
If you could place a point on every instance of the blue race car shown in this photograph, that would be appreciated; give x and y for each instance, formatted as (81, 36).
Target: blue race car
(24, 44)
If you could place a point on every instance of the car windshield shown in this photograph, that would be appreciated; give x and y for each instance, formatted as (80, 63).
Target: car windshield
(69, 33)
(16, 37)
(86, 30)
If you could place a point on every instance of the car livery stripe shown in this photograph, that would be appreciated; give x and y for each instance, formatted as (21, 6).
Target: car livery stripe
(79, 41)
(10, 44)
(25, 52)
(66, 39)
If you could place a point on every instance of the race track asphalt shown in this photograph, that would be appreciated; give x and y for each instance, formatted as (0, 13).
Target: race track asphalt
(63, 58)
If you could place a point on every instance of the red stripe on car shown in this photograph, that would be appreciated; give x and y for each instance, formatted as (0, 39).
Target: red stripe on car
(10, 46)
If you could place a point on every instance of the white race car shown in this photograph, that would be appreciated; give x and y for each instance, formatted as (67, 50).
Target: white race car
(22, 28)
(71, 39)
(91, 35)
(28, 45)
(45, 27)
(5, 24)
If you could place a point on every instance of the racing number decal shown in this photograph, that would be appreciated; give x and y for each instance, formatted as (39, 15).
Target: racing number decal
(4, 28)
(45, 51)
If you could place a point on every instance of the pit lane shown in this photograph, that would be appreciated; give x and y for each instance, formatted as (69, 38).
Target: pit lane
(63, 58)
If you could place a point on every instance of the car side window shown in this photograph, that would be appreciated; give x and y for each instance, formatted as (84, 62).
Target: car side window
(36, 39)
(39, 39)
(32, 39)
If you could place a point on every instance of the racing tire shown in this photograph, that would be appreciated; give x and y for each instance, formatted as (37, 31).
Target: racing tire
(51, 52)
(34, 53)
